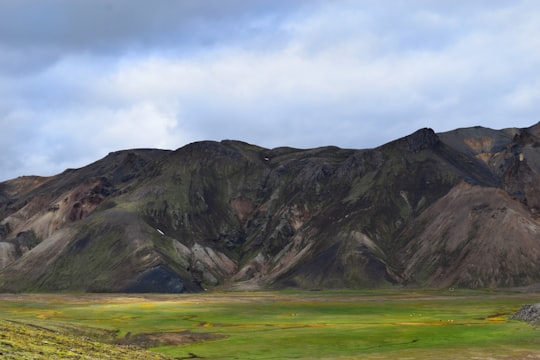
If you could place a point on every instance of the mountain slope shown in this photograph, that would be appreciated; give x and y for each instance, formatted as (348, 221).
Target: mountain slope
(457, 208)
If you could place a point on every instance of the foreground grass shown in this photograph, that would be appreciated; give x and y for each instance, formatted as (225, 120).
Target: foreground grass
(281, 325)
(29, 341)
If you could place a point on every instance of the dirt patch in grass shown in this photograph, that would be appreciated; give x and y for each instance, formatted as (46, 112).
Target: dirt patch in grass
(168, 338)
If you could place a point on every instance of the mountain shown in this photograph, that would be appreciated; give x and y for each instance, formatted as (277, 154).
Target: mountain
(460, 208)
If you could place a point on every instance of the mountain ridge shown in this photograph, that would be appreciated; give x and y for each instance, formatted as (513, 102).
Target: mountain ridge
(458, 208)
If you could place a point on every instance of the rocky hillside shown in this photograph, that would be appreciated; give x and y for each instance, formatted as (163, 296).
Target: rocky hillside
(452, 209)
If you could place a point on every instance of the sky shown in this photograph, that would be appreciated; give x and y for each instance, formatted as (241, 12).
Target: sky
(80, 79)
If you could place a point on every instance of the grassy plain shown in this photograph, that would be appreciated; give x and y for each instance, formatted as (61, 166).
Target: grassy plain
(380, 324)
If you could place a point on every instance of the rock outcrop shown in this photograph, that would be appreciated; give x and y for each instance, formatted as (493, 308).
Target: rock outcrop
(529, 313)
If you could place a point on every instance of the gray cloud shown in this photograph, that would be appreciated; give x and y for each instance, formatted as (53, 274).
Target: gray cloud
(81, 79)
(34, 34)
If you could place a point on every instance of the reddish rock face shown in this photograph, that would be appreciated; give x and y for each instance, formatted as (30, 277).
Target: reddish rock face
(242, 207)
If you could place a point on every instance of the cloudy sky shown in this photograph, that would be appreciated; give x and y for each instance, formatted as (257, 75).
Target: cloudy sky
(79, 79)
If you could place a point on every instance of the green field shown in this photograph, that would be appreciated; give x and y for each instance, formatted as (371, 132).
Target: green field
(379, 324)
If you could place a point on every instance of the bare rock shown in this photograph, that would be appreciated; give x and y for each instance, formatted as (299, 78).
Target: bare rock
(529, 313)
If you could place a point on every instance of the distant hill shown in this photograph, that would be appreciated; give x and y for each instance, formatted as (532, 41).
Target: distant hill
(459, 208)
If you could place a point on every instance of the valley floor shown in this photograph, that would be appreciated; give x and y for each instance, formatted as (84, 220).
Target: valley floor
(369, 324)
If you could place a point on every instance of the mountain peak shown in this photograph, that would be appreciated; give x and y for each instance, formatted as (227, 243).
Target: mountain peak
(422, 139)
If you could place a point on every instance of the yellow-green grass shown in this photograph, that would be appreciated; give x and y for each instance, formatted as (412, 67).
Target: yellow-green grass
(30, 341)
(301, 325)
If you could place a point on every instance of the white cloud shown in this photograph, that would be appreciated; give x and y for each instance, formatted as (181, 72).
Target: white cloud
(143, 124)
(524, 99)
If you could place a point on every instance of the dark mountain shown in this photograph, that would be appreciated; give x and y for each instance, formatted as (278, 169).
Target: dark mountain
(453, 209)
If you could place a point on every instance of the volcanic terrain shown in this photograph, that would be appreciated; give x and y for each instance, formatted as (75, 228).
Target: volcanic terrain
(459, 208)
